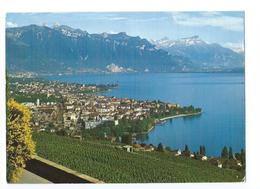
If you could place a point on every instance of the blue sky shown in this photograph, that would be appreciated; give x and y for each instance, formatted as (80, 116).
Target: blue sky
(226, 28)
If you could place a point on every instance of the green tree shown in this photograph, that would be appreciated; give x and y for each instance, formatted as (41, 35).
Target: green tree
(186, 151)
(61, 132)
(230, 155)
(160, 148)
(202, 150)
(127, 139)
(224, 153)
(243, 156)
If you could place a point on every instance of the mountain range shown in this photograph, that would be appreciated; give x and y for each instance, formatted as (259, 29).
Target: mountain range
(204, 56)
(58, 49)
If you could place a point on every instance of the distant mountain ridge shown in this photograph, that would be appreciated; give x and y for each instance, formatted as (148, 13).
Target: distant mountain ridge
(205, 56)
(62, 48)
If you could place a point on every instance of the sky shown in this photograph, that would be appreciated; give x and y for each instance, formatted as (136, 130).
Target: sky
(225, 28)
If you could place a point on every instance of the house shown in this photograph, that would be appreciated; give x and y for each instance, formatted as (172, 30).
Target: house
(69, 107)
(137, 145)
(79, 137)
(177, 152)
(128, 148)
(52, 130)
(216, 162)
(149, 148)
(91, 124)
(204, 158)
(112, 139)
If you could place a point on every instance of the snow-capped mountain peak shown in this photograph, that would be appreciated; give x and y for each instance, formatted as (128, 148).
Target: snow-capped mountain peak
(166, 42)
(68, 31)
(194, 40)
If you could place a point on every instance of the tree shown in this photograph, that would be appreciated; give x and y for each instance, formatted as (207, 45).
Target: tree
(230, 156)
(243, 156)
(19, 145)
(186, 151)
(62, 132)
(160, 148)
(202, 150)
(168, 148)
(127, 139)
(224, 153)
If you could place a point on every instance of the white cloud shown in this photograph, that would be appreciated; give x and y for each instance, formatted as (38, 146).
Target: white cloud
(11, 24)
(119, 18)
(213, 19)
(150, 19)
(116, 18)
(112, 32)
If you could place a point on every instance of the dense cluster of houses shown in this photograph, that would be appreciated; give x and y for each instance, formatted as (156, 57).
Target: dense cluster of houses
(79, 108)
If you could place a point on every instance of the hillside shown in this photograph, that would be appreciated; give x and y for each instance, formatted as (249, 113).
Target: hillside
(105, 162)
(40, 48)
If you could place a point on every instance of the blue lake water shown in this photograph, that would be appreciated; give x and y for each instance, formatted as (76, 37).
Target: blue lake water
(220, 95)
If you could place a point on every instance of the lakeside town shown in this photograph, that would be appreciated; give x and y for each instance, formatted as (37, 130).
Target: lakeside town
(57, 105)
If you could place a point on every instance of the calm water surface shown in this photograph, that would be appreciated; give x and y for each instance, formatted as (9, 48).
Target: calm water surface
(220, 95)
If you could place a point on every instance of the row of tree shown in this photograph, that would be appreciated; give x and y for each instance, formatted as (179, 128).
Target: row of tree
(185, 152)
(228, 154)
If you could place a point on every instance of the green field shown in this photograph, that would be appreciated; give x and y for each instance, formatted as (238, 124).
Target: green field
(103, 161)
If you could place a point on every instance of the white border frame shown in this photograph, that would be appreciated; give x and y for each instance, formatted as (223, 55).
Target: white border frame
(252, 48)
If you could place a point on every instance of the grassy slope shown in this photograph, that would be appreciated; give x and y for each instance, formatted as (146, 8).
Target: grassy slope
(112, 165)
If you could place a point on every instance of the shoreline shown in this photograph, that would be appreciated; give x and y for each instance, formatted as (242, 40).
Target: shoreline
(170, 117)
(180, 115)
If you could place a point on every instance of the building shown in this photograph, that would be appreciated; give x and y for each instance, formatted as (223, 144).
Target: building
(204, 158)
(220, 165)
(177, 152)
(128, 148)
(38, 102)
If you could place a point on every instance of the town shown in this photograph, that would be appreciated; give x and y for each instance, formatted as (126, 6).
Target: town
(57, 105)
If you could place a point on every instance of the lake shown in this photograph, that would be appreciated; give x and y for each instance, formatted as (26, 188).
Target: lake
(220, 95)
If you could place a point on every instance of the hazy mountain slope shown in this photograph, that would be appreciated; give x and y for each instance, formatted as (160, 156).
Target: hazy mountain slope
(40, 48)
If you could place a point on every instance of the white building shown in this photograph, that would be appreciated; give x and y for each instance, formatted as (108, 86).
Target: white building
(128, 148)
(38, 102)
(178, 152)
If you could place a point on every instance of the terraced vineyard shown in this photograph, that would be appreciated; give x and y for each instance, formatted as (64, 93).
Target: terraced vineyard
(105, 162)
